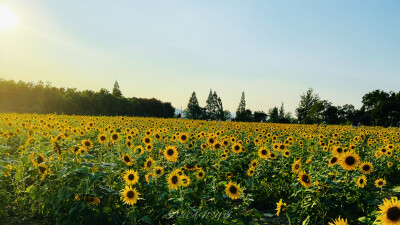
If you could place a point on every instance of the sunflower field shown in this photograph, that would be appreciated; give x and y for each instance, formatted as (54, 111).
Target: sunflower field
(58, 169)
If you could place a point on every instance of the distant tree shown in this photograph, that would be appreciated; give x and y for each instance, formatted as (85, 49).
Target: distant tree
(260, 116)
(214, 108)
(210, 106)
(116, 91)
(241, 110)
(227, 115)
(305, 111)
(273, 115)
(193, 108)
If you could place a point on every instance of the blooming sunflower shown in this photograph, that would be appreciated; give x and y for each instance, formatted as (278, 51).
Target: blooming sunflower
(339, 221)
(115, 137)
(183, 137)
(233, 190)
(185, 181)
(350, 160)
(279, 207)
(129, 195)
(159, 171)
(131, 177)
(87, 143)
(263, 153)
(149, 163)
(296, 166)
(366, 167)
(390, 212)
(127, 159)
(173, 180)
(250, 172)
(362, 181)
(102, 138)
(200, 174)
(379, 183)
(272, 155)
(236, 148)
(333, 161)
(304, 179)
(286, 153)
(253, 163)
(171, 153)
(139, 148)
(148, 176)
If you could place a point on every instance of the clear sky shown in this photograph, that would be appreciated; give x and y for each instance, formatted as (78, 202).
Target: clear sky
(272, 50)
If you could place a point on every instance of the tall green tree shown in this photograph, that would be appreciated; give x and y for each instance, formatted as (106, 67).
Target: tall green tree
(241, 110)
(193, 108)
(305, 109)
(116, 91)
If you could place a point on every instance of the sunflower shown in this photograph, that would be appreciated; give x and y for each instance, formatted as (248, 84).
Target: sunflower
(88, 198)
(366, 167)
(304, 179)
(149, 163)
(350, 161)
(139, 148)
(87, 144)
(129, 196)
(333, 161)
(102, 138)
(337, 150)
(173, 180)
(279, 207)
(250, 172)
(159, 171)
(296, 166)
(127, 159)
(43, 170)
(171, 153)
(379, 183)
(390, 212)
(185, 181)
(339, 221)
(233, 190)
(183, 137)
(236, 148)
(131, 177)
(263, 153)
(253, 163)
(39, 159)
(115, 137)
(272, 155)
(228, 175)
(362, 181)
(286, 153)
(147, 140)
(200, 174)
(190, 167)
(217, 146)
(148, 176)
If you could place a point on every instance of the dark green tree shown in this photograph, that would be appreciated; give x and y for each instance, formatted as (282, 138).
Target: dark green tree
(116, 91)
(241, 110)
(305, 111)
(193, 108)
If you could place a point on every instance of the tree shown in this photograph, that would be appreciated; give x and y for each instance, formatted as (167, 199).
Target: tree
(227, 115)
(273, 115)
(116, 91)
(241, 110)
(214, 108)
(304, 110)
(193, 108)
(260, 116)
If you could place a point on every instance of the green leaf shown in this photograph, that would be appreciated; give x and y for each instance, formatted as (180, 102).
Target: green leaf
(305, 222)
(86, 156)
(147, 220)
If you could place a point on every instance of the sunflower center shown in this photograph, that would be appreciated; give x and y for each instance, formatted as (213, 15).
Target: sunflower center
(158, 171)
(361, 181)
(393, 213)
(115, 137)
(333, 160)
(102, 138)
(380, 183)
(149, 164)
(237, 147)
(130, 194)
(366, 167)
(339, 150)
(40, 160)
(126, 159)
(42, 169)
(305, 179)
(183, 137)
(233, 189)
(282, 147)
(264, 152)
(350, 160)
(87, 144)
(296, 166)
(174, 179)
(131, 177)
(200, 174)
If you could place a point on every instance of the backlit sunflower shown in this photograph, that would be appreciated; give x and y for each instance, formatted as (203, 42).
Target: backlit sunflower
(127, 159)
(390, 212)
(233, 190)
(379, 183)
(349, 161)
(362, 181)
(173, 180)
(263, 153)
(366, 167)
(131, 177)
(304, 179)
(129, 195)
(339, 221)
(171, 153)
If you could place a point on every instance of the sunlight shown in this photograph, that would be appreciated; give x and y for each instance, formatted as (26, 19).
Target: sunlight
(8, 20)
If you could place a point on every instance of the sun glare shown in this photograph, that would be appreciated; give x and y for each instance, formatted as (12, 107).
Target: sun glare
(8, 19)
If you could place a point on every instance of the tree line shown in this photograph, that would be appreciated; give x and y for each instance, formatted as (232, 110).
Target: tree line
(379, 108)
(28, 97)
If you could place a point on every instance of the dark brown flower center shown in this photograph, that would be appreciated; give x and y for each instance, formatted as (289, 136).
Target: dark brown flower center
(126, 159)
(264, 152)
(102, 138)
(233, 189)
(350, 160)
(366, 167)
(174, 179)
(200, 174)
(42, 169)
(305, 179)
(333, 160)
(130, 194)
(237, 147)
(183, 137)
(393, 213)
(297, 166)
(149, 164)
(131, 177)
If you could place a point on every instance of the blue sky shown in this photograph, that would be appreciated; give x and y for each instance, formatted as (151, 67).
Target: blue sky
(272, 50)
